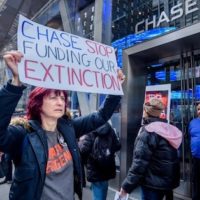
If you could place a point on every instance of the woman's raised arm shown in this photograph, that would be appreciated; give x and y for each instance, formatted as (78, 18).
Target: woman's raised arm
(12, 58)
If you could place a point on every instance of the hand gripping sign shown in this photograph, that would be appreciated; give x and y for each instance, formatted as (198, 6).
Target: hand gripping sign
(59, 60)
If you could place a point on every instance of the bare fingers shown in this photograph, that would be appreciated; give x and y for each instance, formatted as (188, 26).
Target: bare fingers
(121, 75)
(13, 56)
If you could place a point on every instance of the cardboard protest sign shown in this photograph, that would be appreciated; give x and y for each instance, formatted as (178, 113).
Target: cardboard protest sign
(59, 60)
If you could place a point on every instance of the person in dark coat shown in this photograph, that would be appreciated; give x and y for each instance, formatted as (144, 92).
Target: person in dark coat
(8, 173)
(194, 131)
(155, 165)
(43, 147)
(99, 172)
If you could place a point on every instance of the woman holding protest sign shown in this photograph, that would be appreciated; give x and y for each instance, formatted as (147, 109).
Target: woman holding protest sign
(43, 146)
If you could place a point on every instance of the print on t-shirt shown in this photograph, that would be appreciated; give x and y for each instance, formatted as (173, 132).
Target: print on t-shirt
(58, 158)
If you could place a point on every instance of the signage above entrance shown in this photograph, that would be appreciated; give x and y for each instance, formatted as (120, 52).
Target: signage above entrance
(176, 12)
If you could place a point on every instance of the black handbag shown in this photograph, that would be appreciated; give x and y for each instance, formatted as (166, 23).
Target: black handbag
(3, 167)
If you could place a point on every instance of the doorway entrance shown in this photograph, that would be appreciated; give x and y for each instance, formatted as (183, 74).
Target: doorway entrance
(183, 73)
(170, 59)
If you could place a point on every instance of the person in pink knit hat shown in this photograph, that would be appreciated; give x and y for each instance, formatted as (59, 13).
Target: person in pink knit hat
(155, 165)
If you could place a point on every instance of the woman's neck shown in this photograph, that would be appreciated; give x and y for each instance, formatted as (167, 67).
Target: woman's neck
(49, 125)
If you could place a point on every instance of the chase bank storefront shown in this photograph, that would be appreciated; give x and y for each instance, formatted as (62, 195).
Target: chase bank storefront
(171, 58)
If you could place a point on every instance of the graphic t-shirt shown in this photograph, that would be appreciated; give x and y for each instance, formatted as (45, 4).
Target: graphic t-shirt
(59, 182)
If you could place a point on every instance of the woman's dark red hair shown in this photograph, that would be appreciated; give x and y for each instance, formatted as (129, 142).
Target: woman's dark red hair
(36, 100)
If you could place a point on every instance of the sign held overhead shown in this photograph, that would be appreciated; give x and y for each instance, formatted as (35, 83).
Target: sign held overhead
(59, 60)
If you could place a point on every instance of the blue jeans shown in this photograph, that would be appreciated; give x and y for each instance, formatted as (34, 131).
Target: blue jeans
(153, 194)
(99, 190)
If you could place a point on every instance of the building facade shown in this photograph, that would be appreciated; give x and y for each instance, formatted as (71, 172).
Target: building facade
(172, 58)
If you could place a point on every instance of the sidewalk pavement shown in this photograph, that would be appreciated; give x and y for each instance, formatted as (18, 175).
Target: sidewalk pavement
(111, 194)
(4, 190)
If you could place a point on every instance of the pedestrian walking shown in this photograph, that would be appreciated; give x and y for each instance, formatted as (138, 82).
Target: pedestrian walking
(194, 131)
(98, 149)
(8, 172)
(155, 165)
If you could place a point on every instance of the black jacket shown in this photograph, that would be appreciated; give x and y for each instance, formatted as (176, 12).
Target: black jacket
(95, 171)
(155, 160)
(29, 149)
